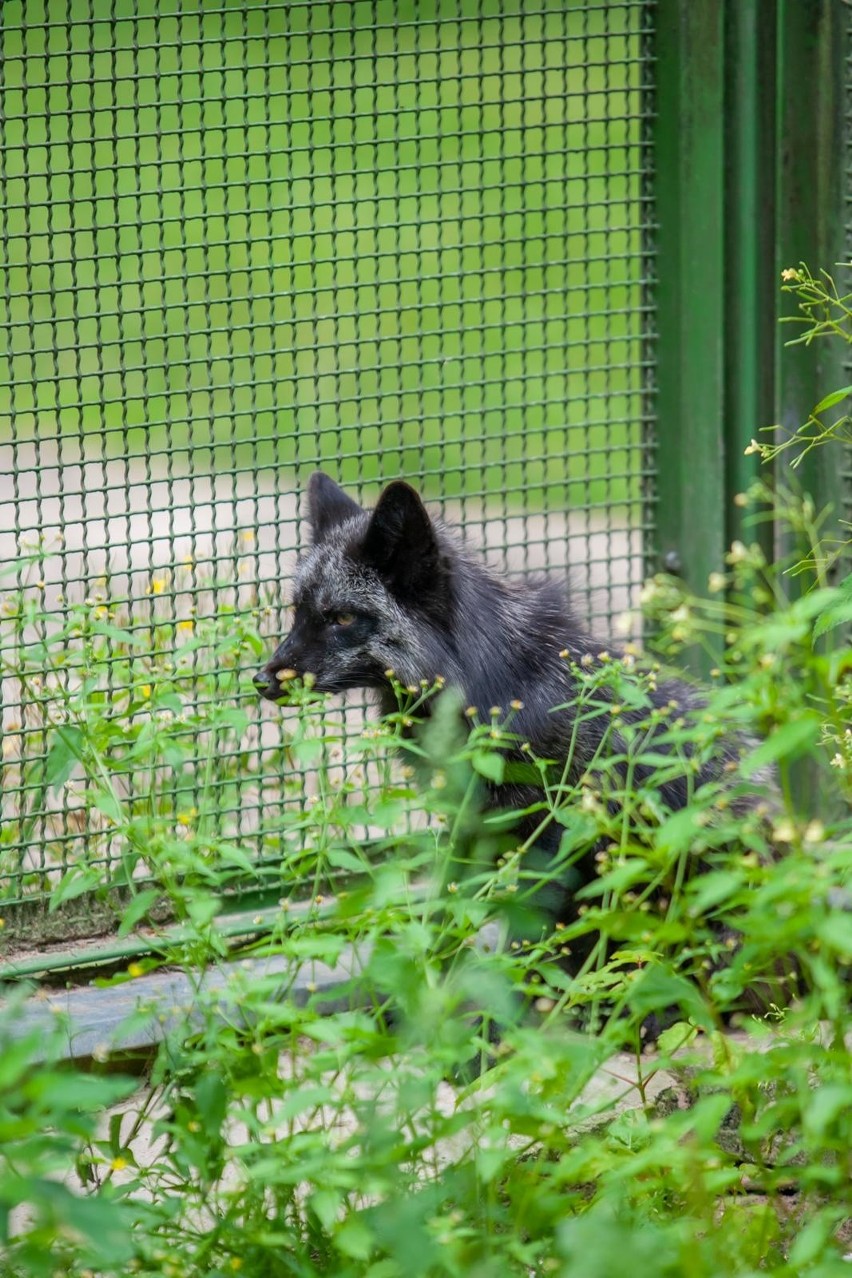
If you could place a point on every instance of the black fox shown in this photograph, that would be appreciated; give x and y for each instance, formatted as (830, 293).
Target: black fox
(392, 595)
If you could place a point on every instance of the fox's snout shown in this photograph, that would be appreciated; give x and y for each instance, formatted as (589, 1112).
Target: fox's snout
(271, 680)
(266, 684)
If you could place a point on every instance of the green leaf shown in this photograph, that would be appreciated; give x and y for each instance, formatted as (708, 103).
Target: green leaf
(489, 764)
(354, 1238)
(831, 619)
(108, 803)
(326, 1203)
(342, 859)
(711, 889)
(308, 750)
(63, 1091)
(675, 1037)
(836, 931)
(659, 988)
(137, 909)
(66, 751)
(104, 1225)
(827, 1103)
(73, 884)
(116, 633)
(838, 612)
(834, 398)
(211, 1098)
(785, 742)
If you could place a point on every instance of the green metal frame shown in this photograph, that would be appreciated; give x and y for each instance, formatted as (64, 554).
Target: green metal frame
(751, 277)
(689, 146)
(811, 49)
(748, 160)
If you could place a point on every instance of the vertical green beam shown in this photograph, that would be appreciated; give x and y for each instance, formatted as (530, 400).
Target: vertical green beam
(689, 160)
(751, 279)
(810, 210)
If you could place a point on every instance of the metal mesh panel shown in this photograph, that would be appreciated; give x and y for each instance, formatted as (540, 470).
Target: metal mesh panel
(243, 241)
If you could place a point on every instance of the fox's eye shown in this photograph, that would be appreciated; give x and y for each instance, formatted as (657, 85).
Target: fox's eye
(343, 618)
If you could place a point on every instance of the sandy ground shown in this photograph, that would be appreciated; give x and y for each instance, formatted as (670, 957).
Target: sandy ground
(101, 517)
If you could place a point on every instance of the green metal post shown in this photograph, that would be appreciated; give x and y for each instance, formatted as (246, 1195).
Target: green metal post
(689, 145)
(810, 229)
(810, 209)
(751, 280)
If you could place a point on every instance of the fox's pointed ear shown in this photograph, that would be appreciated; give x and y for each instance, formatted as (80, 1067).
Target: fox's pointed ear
(328, 505)
(401, 544)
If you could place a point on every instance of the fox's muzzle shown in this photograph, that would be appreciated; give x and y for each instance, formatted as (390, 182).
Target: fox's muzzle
(267, 685)
(272, 679)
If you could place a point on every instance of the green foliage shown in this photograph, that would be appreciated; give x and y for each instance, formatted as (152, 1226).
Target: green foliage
(457, 1104)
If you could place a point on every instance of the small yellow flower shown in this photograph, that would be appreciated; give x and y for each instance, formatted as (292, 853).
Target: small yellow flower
(187, 624)
(247, 535)
(135, 969)
(118, 1164)
(790, 275)
(158, 585)
(145, 690)
(784, 831)
(236, 1262)
(187, 818)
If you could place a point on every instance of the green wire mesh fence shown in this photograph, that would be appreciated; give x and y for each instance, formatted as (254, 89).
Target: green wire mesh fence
(242, 241)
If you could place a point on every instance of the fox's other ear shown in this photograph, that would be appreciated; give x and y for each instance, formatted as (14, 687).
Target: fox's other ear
(401, 544)
(328, 505)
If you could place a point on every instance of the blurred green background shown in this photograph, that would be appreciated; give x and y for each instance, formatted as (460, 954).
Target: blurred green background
(385, 237)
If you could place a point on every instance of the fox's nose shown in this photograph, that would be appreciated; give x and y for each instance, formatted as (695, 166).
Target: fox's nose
(262, 681)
